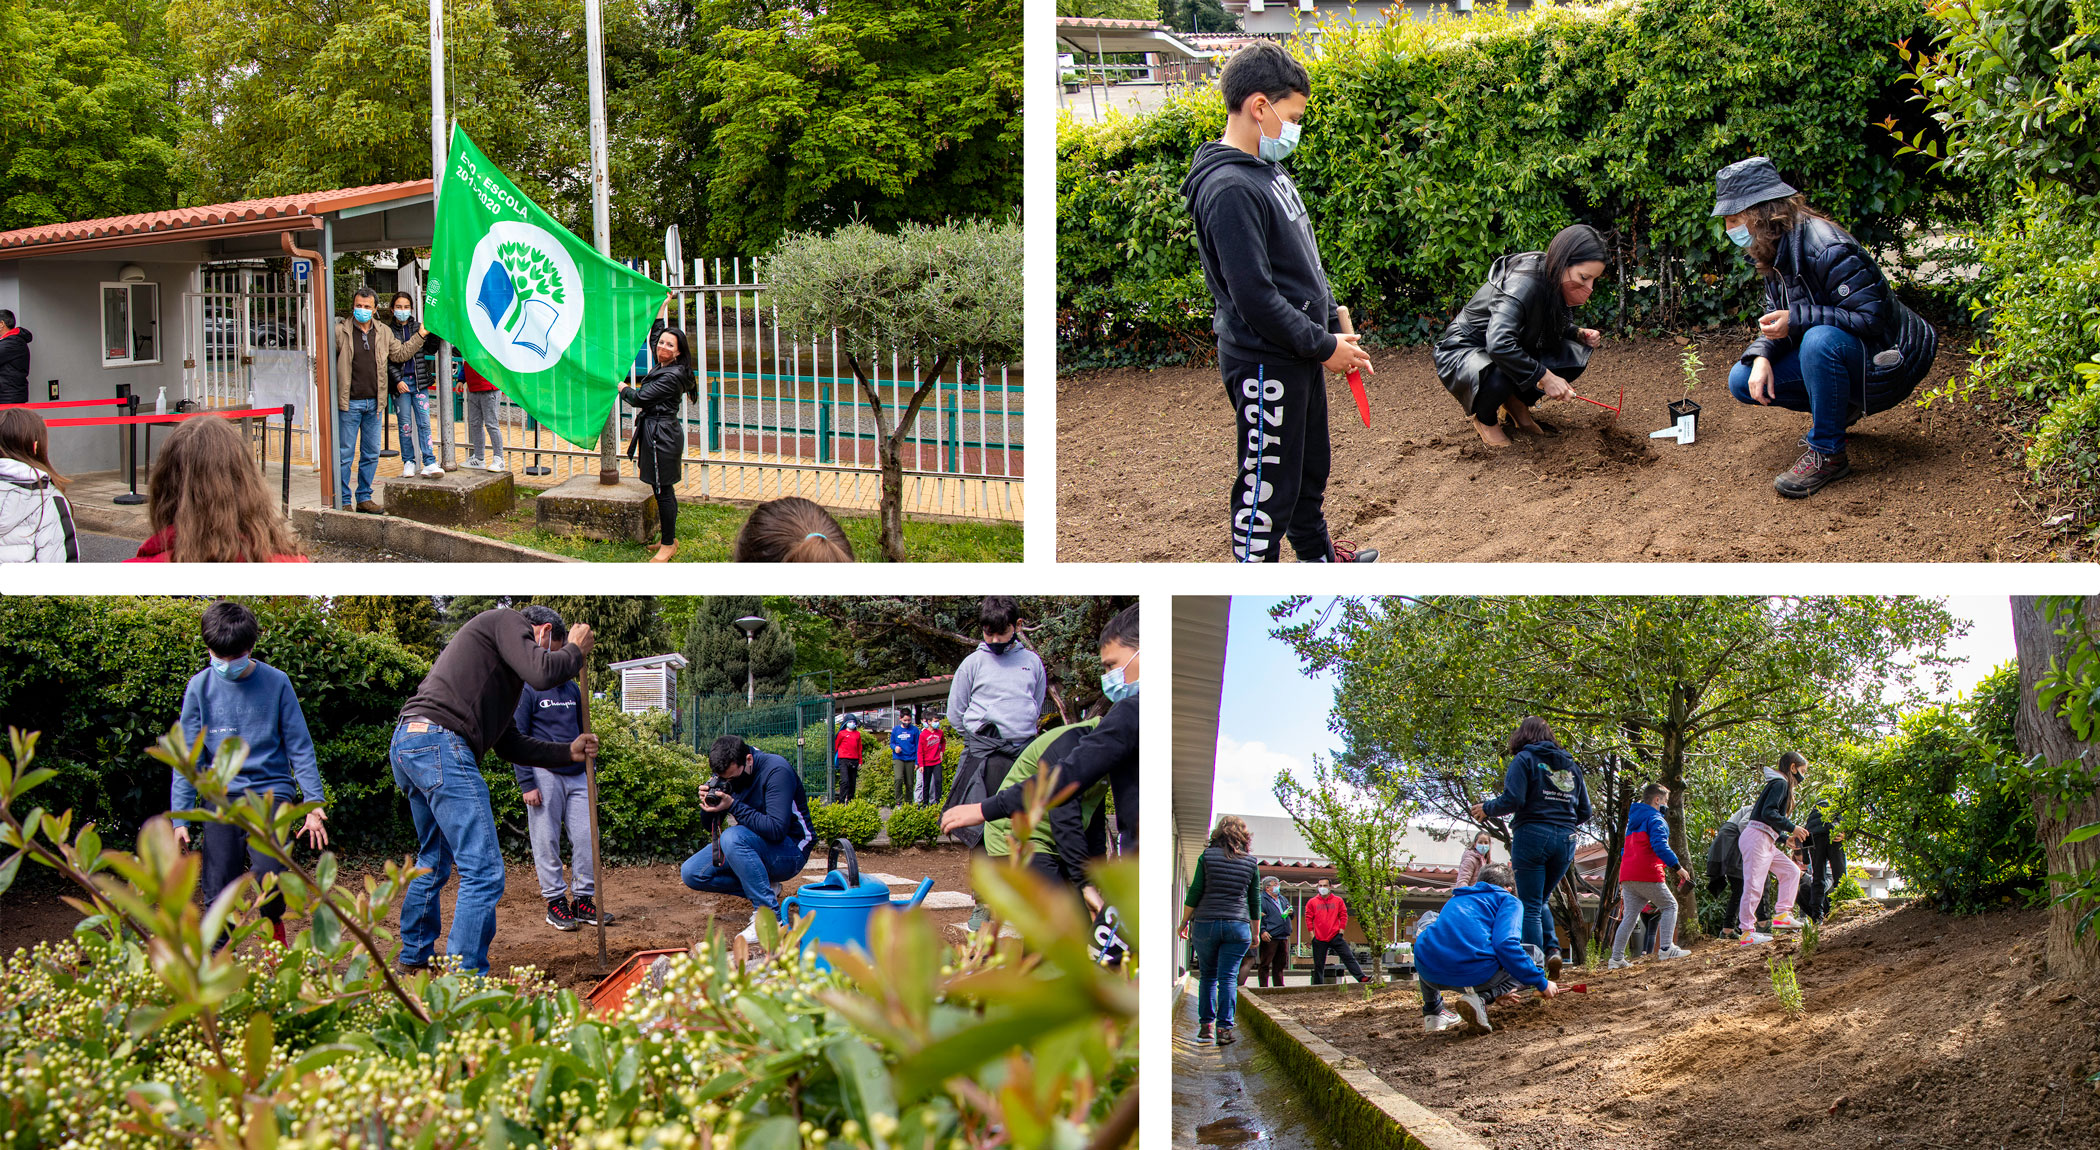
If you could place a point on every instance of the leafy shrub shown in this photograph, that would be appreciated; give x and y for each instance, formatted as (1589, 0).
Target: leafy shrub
(878, 776)
(1930, 802)
(857, 822)
(1617, 116)
(915, 824)
(648, 789)
(1848, 888)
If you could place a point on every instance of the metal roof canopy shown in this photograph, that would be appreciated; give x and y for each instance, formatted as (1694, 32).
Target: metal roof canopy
(889, 694)
(1111, 37)
(376, 218)
(672, 660)
(1199, 681)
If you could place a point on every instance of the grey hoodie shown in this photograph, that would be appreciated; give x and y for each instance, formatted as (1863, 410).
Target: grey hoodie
(1005, 690)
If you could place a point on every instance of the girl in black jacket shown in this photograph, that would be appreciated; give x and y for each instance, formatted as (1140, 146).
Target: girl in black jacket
(1833, 341)
(658, 444)
(1516, 340)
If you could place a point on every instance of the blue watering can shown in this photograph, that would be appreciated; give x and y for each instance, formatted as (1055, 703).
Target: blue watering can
(839, 906)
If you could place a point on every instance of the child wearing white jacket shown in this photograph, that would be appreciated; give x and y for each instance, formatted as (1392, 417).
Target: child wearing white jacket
(36, 522)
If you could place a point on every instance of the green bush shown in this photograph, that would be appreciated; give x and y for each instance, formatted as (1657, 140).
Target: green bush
(878, 775)
(1617, 116)
(648, 789)
(857, 822)
(1848, 888)
(915, 824)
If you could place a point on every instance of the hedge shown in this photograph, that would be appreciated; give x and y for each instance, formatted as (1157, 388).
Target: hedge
(1434, 146)
(857, 821)
(911, 825)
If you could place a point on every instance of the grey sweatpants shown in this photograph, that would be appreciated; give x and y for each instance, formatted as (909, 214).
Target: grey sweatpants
(564, 802)
(1635, 894)
(481, 417)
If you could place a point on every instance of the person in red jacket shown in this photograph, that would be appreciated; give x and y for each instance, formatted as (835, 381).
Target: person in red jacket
(933, 746)
(1328, 917)
(847, 748)
(1641, 878)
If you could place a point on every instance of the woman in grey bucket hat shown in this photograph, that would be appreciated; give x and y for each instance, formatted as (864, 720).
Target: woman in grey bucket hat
(1833, 341)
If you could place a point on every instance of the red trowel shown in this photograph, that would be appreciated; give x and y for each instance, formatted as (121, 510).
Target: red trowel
(1356, 375)
(1608, 407)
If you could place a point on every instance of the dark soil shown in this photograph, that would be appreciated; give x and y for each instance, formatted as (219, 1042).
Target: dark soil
(1919, 1030)
(1145, 457)
(651, 909)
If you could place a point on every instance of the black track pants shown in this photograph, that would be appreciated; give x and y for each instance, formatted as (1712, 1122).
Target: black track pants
(1280, 411)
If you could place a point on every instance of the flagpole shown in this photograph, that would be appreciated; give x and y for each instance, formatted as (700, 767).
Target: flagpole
(439, 142)
(601, 214)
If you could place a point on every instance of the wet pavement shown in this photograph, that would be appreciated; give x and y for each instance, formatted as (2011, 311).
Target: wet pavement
(1236, 1095)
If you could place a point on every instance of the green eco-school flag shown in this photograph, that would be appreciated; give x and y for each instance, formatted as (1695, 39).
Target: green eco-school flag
(535, 310)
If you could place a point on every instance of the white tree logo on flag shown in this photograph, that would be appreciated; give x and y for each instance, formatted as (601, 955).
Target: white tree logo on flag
(523, 301)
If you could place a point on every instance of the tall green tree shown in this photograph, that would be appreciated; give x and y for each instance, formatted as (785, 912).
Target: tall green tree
(1357, 825)
(1428, 686)
(411, 620)
(1113, 9)
(626, 627)
(87, 125)
(1199, 16)
(719, 656)
(2059, 733)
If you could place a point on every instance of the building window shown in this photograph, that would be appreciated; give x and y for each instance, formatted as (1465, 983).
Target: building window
(130, 324)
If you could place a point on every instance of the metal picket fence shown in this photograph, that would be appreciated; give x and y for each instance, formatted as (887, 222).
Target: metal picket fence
(796, 725)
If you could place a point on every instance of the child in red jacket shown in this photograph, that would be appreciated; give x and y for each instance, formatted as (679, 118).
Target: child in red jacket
(1328, 917)
(932, 748)
(1641, 879)
(847, 748)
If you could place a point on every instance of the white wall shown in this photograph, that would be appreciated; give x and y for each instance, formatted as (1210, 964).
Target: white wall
(60, 301)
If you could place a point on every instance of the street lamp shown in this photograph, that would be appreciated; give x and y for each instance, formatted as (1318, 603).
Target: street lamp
(752, 625)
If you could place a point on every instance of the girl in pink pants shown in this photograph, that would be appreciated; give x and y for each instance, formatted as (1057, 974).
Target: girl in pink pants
(1761, 852)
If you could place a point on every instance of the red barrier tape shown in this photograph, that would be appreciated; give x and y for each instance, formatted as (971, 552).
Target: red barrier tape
(65, 403)
(171, 417)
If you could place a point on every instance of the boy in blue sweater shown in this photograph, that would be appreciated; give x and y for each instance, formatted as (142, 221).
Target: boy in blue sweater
(557, 798)
(239, 697)
(1475, 949)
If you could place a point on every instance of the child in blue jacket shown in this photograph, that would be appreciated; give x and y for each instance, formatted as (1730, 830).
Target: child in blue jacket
(1475, 949)
(1641, 875)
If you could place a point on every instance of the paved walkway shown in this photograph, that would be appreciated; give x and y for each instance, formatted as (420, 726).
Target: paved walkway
(1236, 1095)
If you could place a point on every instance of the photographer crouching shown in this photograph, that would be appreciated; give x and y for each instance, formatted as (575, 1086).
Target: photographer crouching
(773, 834)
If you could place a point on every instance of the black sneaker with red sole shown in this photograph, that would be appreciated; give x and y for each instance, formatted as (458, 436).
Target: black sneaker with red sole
(559, 916)
(586, 911)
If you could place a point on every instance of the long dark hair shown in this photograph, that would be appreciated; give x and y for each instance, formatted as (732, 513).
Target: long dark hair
(684, 360)
(1574, 244)
(1531, 730)
(1769, 223)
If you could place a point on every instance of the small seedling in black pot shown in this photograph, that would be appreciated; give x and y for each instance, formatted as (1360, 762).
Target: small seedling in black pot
(1684, 413)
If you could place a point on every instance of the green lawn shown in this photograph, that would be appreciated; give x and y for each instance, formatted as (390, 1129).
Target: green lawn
(706, 532)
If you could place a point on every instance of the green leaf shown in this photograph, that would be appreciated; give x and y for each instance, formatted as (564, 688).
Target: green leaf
(2083, 833)
(864, 1082)
(775, 1133)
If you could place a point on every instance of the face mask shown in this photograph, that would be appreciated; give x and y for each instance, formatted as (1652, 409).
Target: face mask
(1481, 847)
(401, 314)
(361, 314)
(1323, 891)
(1274, 150)
(232, 668)
(999, 648)
(1115, 688)
(1741, 235)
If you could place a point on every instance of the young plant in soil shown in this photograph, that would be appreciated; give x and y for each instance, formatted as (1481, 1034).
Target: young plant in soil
(1784, 984)
(1809, 935)
(1692, 366)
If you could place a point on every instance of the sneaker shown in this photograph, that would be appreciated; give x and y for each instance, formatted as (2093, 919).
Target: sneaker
(432, 470)
(1754, 938)
(1553, 966)
(1618, 964)
(1474, 1013)
(1785, 921)
(1225, 1036)
(1673, 951)
(1343, 551)
(408, 471)
(497, 464)
(1204, 1037)
(585, 908)
(559, 916)
(473, 465)
(750, 933)
(1811, 473)
(411, 969)
(1434, 1023)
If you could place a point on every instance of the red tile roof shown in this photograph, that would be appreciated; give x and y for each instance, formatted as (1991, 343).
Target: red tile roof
(245, 216)
(893, 686)
(1105, 24)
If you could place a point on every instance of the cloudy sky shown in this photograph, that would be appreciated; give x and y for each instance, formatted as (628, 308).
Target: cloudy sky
(1271, 717)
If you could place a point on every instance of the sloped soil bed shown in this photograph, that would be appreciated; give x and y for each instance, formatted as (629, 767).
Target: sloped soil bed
(651, 909)
(1919, 1030)
(1145, 459)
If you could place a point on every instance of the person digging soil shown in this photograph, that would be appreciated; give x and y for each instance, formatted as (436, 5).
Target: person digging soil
(1516, 341)
(1939, 483)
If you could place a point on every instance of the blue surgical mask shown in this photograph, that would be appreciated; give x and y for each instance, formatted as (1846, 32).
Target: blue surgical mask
(1740, 234)
(401, 314)
(232, 668)
(1481, 847)
(1276, 148)
(361, 314)
(1115, 688)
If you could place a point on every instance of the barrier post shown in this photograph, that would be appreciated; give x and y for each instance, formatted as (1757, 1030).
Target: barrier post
(131, 497)
(286, 462)
(537, 468)
(386, 411)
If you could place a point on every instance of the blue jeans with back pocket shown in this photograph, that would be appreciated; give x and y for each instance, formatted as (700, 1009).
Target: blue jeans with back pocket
(455, 827)
(1540, 853)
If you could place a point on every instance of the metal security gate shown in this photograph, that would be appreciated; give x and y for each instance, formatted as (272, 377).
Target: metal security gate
(797, 726)
(248, 341)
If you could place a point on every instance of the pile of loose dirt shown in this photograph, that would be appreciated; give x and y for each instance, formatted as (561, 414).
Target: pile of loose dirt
(651, 909)
(1145, 459)
(1920, 1030)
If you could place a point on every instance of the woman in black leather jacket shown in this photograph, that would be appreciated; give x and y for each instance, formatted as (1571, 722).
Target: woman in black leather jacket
(1834, 341)
(1516, 341)
(658, 444)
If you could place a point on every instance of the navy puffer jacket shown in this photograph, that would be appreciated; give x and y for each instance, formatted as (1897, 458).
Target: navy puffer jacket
(1822, 276)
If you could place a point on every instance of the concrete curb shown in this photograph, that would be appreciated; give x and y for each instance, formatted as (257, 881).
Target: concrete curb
(390, 533)
(1362, 1108)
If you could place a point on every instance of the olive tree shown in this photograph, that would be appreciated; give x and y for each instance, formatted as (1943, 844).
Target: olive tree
(934, 296)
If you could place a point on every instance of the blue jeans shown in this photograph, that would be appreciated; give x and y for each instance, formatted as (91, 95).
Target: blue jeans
(754, 865)
(1822, 373)
(358, 427)
(1221, 944)
(449, 801)
(1540, 853)
(412, 408)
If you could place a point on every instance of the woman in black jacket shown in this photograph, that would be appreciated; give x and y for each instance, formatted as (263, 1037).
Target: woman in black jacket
(1516, 340)
(658, 444)
(1833, 340)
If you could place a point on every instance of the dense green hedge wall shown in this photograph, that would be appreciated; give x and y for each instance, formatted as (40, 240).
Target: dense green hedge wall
(1433, 147)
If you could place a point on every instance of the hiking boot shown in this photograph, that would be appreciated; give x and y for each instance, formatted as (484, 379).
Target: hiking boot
(1343, 551)
(1811, 473)
(1553, 966)
(559, 916)
(1673, 951)
(585, 908)
(1474, 1013)
(1754, 938)
(370, 508)
(411, 969)
(1203, 1034)
(1225, 1036)
(1618, 964)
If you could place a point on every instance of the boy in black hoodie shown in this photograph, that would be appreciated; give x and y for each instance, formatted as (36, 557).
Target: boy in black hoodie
(1275, 312)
